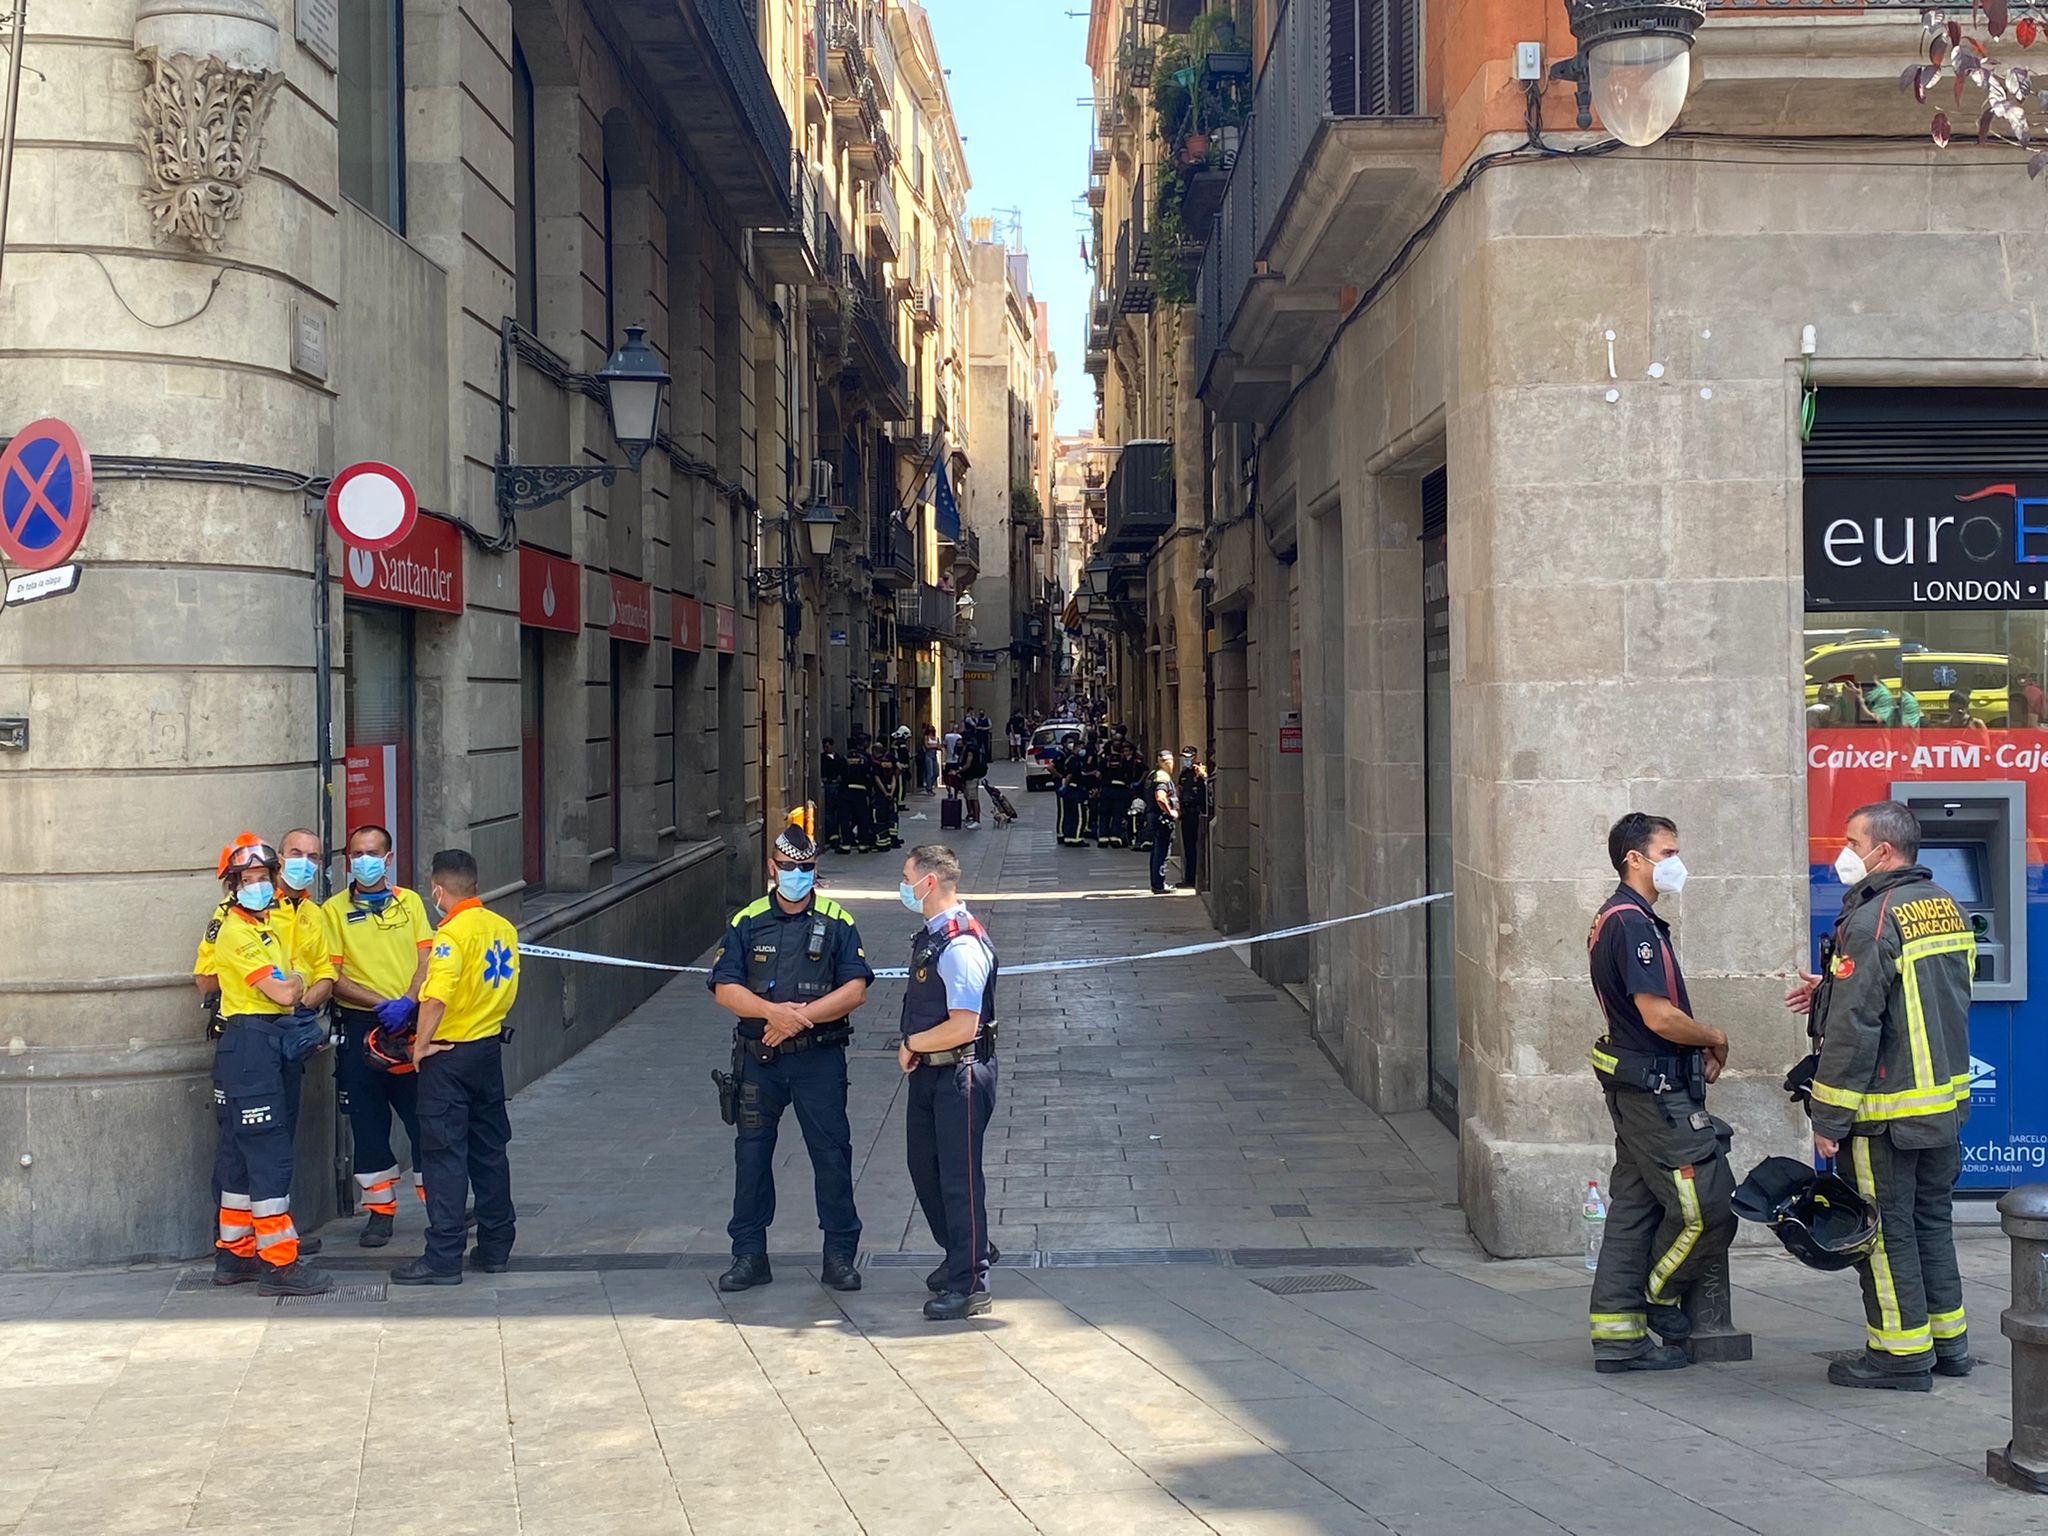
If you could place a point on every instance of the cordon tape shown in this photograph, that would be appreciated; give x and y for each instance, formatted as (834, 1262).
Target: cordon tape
(1031, 968)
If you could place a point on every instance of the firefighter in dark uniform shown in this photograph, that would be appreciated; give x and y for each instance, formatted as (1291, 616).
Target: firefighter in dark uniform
(1668, 1212)
(949, 1051)
(1891, 1014)
(856, 803)
(884, 772)
(900, 755)
(791, 968)
(1105, 812)
(831, 771)
(1073, 800)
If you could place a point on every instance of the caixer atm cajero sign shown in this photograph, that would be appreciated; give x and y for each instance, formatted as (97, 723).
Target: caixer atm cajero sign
(1921, 542)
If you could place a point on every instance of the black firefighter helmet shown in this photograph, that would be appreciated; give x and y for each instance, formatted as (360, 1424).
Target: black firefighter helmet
(1819, 1217)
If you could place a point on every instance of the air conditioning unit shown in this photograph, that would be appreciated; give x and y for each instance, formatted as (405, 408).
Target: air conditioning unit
(821, 482)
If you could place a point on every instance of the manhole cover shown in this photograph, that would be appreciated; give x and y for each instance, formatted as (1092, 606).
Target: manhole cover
(366, 1291)
(1296, 1285)
(1289, 1210)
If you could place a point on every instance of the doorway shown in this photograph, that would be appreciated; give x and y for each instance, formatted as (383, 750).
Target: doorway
(1439, 917)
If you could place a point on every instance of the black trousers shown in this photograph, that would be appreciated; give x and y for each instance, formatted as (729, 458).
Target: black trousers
(1912, 1285)
(1160, 833)
(252, 1162)
(1073, 820)
(812, 1082)
(369, 1098)
(887, 834)
(464, 1131)
(856, 819)
(1190, 847)
(949, 1114)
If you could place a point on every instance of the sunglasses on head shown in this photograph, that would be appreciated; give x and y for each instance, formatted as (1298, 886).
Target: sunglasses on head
(786, 866)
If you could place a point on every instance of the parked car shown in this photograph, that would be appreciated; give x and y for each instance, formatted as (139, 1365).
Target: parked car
(1044, 748)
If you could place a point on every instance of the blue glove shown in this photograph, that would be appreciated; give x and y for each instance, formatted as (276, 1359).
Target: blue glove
(396, 1016)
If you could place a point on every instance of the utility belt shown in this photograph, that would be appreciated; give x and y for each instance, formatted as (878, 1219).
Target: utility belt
(814, 1039)
(1619, 1067)
(298, 1034)
(982, 1048)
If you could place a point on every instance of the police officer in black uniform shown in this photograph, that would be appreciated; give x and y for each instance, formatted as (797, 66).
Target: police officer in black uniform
(791, 969)
(831, 770)
(949, 1051)
(1668, 1213)
(857, 803)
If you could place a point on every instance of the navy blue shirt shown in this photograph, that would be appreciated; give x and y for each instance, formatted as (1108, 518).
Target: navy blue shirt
(1628, 951)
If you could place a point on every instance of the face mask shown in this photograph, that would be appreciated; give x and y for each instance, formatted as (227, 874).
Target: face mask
(1850, 867)
(300, 872)
(795, 884)
(376, 901)
(907, 894)
(367, 868)
(1669, 875)
(254, 898)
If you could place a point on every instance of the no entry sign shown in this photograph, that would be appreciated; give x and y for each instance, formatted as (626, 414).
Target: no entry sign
(371, 505)
(45, 495)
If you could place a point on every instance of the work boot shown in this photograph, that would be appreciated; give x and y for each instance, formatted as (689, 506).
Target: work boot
(1662, 1357)
(487, 1266)
(748, 1270)
(420, 1272)
(838, 1274)
(297, 1278)
(377, 1230)
(1954, 1365)
(1861, 1373)
(935, 1282)
(308, 1247)
(233, 1269)
(1669, 1323)
(952, 1307)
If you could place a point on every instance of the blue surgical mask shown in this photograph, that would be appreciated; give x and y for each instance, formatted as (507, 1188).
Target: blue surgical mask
(795, 884)
(907, 894)
(300, 873)
(254, 898)
(367, 868)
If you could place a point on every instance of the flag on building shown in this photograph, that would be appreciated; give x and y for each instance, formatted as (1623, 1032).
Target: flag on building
(946, 511)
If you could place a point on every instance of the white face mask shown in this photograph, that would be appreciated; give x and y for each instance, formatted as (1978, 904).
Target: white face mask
(1668, 875)
(1850, 867)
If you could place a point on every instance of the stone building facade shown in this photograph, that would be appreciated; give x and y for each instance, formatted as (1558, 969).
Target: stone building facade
(457, 210)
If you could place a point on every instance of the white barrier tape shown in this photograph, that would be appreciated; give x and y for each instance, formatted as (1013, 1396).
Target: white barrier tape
(1035, 967)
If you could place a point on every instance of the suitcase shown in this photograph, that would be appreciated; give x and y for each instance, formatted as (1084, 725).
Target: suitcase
(949, 814)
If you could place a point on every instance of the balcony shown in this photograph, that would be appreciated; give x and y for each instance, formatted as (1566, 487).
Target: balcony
(925, 612)
(795, 253)
(1335, 168)
(855, 92)
(966, 558)
(1095, 362)
(702, 59)
(884, 222)
(892, 555)
(1131, 281)
(876, 361)
(1140, 498)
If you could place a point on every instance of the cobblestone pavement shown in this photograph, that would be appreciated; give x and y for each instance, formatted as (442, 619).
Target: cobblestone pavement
(1233, 1300)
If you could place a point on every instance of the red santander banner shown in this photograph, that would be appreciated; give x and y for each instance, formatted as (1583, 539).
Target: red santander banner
(686, 627)
(550, 591)
(422, 570)
(728, 629)
(632, 610)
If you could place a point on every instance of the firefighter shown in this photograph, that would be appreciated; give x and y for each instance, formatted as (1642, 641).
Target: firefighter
(888, 781)
(1890, 1012)
(1669, 1215)
(831, 771)
(1071, 796)
(856, 803)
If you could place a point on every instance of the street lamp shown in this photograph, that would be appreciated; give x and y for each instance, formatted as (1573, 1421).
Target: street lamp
(820, 524)
(1634, 63)
(964, 609)
(1096, 573)
(632, 380)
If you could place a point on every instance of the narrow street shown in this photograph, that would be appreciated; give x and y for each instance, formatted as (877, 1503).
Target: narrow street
(1232, 1300)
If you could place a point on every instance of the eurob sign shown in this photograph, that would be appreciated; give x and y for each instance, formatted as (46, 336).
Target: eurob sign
(1922, 542)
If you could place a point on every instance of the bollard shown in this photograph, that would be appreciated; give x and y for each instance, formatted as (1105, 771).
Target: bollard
(1710, 1303)
(2023, 1462)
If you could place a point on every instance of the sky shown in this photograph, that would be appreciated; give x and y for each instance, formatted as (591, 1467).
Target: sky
(1018, 73)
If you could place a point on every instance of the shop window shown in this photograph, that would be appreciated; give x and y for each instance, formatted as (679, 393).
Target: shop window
(532, 757)
(370, 108)
(377, 661)
(1965, 670)
(525, 207)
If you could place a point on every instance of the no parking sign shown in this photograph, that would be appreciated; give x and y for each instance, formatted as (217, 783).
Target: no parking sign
(45, 495)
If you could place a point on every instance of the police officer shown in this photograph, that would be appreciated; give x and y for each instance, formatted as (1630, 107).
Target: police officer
(1162, 805)
(791, 968)
(1668, 1215)
(948, 1050)
(1194, 813)
(856, 803)
(260, 984)
(377, 940)
(1891, 1013)
(472, 981)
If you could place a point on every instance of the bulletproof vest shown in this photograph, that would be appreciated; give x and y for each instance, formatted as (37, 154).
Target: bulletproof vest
(924, 996)
(789, 960)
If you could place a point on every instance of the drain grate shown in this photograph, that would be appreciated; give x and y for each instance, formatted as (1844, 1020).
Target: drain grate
(1103, 1258)
(1289, 1210)
(1300, 1285)
(1335, 1258)
(366, 1291)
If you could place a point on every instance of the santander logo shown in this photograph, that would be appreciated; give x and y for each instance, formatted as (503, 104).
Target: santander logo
(362, 567)
(547, 596)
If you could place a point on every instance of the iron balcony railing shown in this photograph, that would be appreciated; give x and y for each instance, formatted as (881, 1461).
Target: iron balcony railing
(1329, 59)
(925, 612)
(1141, 501)
(892, 554)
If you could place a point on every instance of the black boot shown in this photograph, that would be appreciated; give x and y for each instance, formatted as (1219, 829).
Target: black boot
(935, 1282)
(838, 1274)
(1669, 1323)
(1661, 1357)
(297, 1278)
(1861, 1373)
(1954, 1365)
(308, 1247)
(748, 1270)
(233, 1269)
(952, 1307)
(420, 1272)
(376, 1231)
(487, 1266)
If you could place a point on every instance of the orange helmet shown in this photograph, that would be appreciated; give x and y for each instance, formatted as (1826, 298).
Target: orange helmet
(246, 849)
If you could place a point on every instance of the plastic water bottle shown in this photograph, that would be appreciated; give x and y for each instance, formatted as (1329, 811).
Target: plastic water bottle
(1595, 1213)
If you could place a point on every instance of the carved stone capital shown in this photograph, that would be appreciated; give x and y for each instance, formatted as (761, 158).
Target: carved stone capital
(213, 73)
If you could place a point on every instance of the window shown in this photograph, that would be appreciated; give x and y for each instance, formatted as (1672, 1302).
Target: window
(533, 866)
(525, 211)
(611, 328)
(370, 107)
(377, 662)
